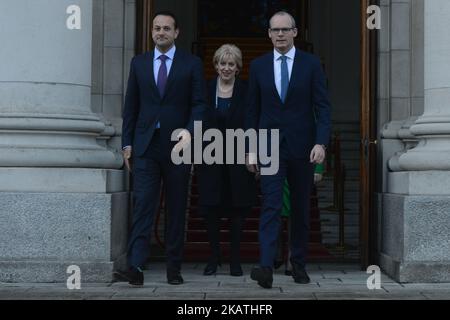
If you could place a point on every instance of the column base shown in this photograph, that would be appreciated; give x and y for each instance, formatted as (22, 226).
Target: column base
(415, 272)
(54, 271)
(415, 234)
(41, 234)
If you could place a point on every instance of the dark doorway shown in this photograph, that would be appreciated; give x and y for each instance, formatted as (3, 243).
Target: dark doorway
(241, 19)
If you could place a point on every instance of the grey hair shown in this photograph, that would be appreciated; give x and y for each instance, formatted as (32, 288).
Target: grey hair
(284, 13)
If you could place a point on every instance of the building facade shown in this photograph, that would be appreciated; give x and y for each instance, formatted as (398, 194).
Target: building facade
(64, 196)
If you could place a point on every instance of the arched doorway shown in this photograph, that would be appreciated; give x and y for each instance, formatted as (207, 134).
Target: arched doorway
(336, 31)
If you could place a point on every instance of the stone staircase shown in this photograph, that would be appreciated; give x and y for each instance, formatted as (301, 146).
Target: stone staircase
(197, 247)
(324, 222)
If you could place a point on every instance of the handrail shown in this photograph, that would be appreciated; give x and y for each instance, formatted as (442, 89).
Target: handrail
(335, 164)
(341, 199)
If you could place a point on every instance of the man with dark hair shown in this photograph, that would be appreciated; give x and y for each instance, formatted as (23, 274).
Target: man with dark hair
(287, 92)
(166, 91)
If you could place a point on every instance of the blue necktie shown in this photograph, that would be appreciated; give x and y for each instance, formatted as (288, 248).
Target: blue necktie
(284, 78)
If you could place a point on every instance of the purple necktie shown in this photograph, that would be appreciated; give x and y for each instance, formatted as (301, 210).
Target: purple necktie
(162, 75)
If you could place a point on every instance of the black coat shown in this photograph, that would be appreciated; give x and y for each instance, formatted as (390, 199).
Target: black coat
(241, 183)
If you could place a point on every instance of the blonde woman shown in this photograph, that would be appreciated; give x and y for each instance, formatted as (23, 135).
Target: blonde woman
(225, 190)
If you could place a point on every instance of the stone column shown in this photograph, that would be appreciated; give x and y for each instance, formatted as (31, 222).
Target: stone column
(45, 88)
(416, 207)
(61, 193)
(433, 127)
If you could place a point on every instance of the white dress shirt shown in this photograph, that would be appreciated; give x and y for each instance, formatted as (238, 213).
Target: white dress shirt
(277, 66)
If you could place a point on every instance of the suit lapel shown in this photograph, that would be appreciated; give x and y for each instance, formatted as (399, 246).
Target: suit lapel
(173, 72)
(234, 99)
(212, 92)
(149, 56)
(270, 64)
(295, 73)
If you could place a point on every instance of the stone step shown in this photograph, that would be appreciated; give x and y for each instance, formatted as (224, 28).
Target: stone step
(247, 236)
(328, 197)
(335, 240)
(200, 251)
(332, 219)
(328, 186)
(250, 224)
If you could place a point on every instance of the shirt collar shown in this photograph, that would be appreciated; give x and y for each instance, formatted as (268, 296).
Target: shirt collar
(290, 54)
(170, 54)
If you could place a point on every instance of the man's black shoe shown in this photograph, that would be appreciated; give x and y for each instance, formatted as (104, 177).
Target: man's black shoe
(132, 276)
(299, 274)
(174, 277)
(263, 275)
(211, 268)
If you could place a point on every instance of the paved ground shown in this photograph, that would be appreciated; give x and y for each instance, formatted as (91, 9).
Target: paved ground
(328, 281)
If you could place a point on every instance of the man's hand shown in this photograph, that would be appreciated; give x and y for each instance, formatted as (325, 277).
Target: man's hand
(251, 162)
(185, 141)
(317, 154)
(127, 157)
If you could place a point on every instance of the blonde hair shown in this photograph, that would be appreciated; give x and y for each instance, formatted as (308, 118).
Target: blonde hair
(228, 50)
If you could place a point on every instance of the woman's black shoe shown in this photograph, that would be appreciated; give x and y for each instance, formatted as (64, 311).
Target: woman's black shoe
(236, 270)
(211, 268)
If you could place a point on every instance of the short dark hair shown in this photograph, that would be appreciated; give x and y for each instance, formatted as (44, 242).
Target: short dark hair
(168, 14)
(283, 13)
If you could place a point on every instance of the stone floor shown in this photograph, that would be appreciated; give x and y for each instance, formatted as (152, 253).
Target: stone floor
(328, 281)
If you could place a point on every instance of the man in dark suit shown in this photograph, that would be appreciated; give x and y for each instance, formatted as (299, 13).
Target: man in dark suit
(287, 92)
(166, 91)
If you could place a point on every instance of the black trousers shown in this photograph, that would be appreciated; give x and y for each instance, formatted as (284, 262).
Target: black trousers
(212, 216)
(148, 171)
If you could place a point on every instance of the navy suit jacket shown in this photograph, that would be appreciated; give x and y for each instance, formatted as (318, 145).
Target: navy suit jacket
(183, 102)
(304, 118)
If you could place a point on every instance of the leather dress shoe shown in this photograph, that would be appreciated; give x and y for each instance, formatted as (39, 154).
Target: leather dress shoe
(174, 277)
(211, 268)
(132, 276)
(236, 270)
(299, 274)
(263, 275)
